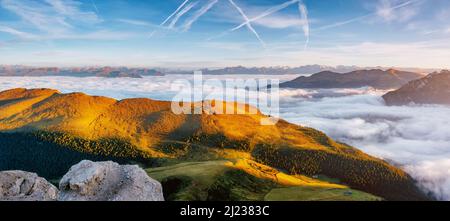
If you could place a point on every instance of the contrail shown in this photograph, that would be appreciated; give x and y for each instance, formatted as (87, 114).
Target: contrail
(170, 17)
(264, 14)
(338, 24)
(181, 13)
(95, 6)
(199, 13)
(249, 26)
(175, 12)
(304, 15)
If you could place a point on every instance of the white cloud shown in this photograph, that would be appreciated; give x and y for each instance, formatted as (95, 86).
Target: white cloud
(136, 22)
(52, 16)
(281, 22)
(389, 11)
(17, 33)
(427, 54)
(447, 30)
(70, 9)
(57, 20)
(409, 136)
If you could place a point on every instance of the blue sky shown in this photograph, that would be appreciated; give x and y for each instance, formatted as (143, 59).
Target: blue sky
(402, 33)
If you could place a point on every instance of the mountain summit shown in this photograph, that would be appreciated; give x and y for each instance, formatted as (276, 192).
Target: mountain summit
(433, 89)
(375, 78)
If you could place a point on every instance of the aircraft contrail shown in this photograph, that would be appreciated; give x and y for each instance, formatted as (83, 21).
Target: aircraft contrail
(338, 24)
(304, 15)
(181, 13)
(199, 13)
(95, 6)
(266, 13)
(175, 12)
(249, 26)
(186, 7)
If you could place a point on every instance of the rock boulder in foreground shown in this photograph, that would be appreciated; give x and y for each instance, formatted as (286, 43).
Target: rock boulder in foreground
(25, 186)
(108, 181)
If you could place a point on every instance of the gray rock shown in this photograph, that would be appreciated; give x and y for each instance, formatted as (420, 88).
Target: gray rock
(24, 186)
(108, 181)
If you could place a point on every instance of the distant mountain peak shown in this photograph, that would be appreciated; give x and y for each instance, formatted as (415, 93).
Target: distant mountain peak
(432, 89)
(375, 78)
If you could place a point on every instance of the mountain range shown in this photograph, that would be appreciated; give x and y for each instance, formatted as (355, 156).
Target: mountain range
(375, 78)
(300, 70)
(109, 72)
(41, 129)
(18, 70)
(432, 89)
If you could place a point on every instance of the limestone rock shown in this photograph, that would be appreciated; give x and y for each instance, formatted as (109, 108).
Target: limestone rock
(108, 181)
(25, 186)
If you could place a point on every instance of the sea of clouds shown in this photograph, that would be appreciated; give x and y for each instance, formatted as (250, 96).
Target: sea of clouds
(417, 138)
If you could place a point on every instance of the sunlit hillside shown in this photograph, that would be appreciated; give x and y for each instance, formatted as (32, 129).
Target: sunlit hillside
(148, 129)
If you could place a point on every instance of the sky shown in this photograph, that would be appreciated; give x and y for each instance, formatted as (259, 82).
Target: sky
(220, 33)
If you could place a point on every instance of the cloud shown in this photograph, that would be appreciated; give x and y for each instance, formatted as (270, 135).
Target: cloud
(51, 16)
(96, 35)
(385, 9)
(70, 9)
(395, 10)
(135, 22)
(281, 22)
(17, 33)
(57, 20)
(426, 54)
(399, 134)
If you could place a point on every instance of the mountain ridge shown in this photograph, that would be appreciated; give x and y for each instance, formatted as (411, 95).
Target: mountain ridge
(432, 89)
(375, 78)
(107, 72)
(149, 129)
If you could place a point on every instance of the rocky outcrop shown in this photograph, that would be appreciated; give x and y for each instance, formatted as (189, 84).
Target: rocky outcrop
(24, 186)
(108, 181)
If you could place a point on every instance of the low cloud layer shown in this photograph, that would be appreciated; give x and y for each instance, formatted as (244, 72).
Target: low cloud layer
(416, 138)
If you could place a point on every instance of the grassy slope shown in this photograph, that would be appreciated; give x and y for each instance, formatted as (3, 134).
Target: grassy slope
(223, 180)
(149, 129)
(317, 194)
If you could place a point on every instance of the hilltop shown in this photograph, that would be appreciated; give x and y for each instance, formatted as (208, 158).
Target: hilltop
(375, 78)
(432, 89)
(83, 126)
